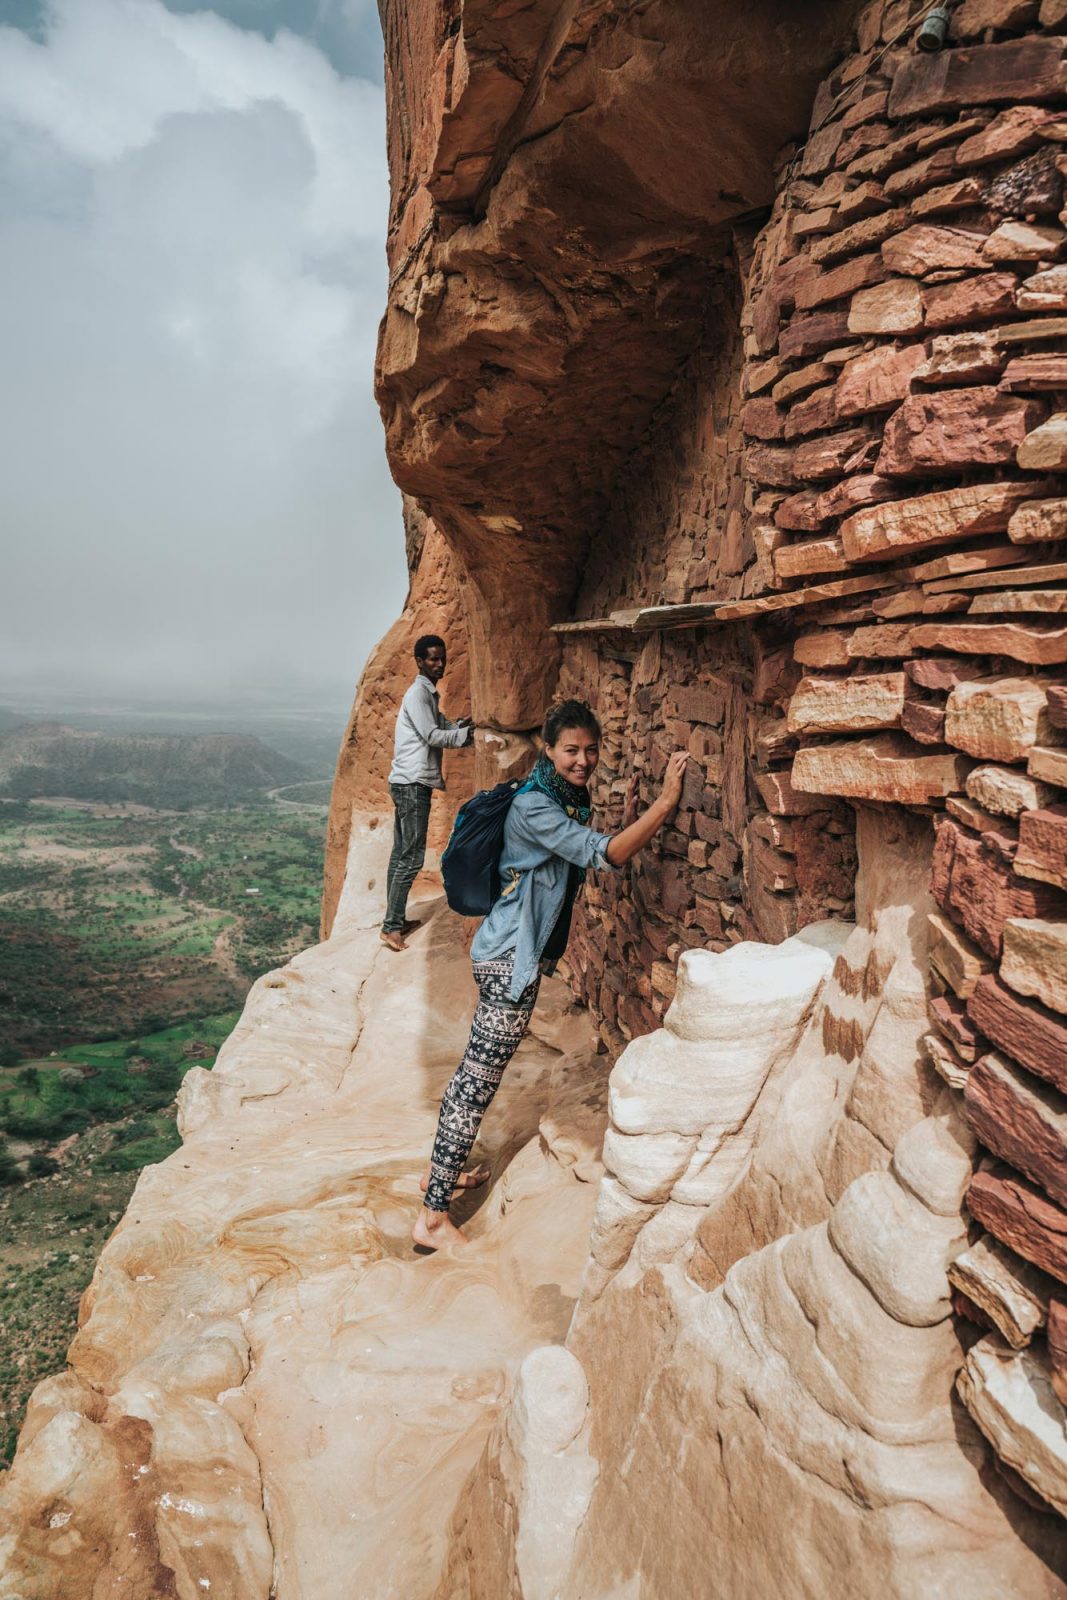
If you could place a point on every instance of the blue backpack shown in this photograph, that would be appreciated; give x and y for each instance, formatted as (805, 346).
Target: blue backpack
(470, 865)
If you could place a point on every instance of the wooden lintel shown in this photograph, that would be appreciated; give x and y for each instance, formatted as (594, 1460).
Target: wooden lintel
(715, 611)
(618, 622)
(678, 616)
(703, 614)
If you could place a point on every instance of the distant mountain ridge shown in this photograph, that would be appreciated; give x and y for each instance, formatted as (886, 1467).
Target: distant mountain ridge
(41, 759)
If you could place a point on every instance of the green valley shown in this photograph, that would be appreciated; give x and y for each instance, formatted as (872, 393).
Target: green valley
(128, 939)
(116, 919)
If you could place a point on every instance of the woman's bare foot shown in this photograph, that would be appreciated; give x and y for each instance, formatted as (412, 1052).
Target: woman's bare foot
(434, 1231)
(466, 1180)
(393, 941)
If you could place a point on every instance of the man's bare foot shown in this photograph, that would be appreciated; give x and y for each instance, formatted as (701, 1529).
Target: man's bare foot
(434, 1231)
(466, 1180)
(393, 941)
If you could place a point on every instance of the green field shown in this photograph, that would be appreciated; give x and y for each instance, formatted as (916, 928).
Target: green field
(75, 1132)
(117, 920)
(128, 940)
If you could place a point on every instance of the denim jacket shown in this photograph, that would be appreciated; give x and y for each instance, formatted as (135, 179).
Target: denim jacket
(541, 843)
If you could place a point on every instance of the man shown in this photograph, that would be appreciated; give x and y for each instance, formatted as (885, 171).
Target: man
(422, 732)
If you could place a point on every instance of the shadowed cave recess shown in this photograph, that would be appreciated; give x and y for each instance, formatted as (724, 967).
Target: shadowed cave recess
(722, 371)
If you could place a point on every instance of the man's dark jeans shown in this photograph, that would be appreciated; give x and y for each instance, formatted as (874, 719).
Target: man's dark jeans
(412, 802)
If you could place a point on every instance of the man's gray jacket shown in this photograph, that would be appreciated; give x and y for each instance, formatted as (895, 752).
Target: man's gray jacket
(422, 732)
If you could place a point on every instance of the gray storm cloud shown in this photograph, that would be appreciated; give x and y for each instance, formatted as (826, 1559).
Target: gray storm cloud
(193, 489)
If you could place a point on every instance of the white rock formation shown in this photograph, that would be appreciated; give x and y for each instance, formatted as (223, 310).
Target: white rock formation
(269, 1384)
(1009, 1394)
(680, 1098)
(770, 1373)
(748, 1393)
(548, 1430)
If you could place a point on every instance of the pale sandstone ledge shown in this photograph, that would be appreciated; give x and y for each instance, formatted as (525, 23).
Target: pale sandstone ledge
(754, 1395)
(769, 1348)
(1009, 1394)
(268, 1381)
(272, 1396)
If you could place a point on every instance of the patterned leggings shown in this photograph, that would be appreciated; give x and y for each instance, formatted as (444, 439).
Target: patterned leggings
(496, 1033)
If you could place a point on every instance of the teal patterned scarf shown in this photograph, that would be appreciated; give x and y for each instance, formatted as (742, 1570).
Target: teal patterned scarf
(577, 803)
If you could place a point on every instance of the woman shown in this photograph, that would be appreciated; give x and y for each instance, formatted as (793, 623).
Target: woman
(548, 846)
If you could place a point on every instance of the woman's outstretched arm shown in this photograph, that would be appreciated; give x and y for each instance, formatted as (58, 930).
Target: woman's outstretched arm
(633, 838)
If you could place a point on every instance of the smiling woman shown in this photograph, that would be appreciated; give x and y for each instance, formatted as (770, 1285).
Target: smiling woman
(192, 269)
(548, 849)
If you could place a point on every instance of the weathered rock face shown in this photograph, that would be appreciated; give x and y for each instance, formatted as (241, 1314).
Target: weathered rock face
(768, 1344)
(555, 230)
(267, 1382)
(760, 449)
(814, 538)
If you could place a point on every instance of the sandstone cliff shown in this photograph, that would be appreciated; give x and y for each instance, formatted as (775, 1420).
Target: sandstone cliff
(723, 370)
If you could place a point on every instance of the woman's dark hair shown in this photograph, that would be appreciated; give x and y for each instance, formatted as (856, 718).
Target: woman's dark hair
(427, 642)
(569, 714)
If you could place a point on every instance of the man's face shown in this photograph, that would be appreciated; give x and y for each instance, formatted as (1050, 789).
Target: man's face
(432, 664)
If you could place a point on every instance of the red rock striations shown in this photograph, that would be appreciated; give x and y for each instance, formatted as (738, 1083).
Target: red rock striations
(768, 458)
(563, 178)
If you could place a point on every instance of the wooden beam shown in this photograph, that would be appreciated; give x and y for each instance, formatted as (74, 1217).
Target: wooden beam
(695, 615)
(702, 614)
(619, 621)
(714, 611)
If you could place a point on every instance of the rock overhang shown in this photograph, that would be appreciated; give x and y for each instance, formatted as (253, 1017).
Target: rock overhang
(570, 178)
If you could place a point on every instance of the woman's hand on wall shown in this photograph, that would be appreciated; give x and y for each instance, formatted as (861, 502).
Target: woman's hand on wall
(673, 778)
(636, 835)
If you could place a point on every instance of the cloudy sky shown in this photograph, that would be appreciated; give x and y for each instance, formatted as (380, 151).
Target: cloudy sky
(193, 492)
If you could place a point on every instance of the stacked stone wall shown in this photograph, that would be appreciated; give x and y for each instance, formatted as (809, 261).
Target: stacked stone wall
(893, 539)
(726, 869)
(679, 531)
(787, 488)
(907, 389)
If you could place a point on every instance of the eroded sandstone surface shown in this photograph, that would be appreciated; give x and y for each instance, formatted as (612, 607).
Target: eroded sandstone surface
(722, 368)
(270, 1393)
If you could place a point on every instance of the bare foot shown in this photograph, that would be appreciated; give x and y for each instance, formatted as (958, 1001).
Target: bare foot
(393, 941)
(466, 1180)
(434, 1231)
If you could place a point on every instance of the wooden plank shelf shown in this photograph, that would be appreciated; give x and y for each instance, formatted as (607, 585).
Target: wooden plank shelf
(619, 621)
(998, 567)
(652, 618)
